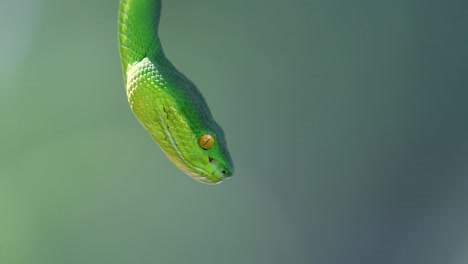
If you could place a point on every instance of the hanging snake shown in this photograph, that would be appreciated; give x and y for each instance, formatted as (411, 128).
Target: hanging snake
(165, 102)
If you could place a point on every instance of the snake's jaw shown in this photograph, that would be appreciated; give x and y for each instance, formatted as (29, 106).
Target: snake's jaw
(215, 178)
(204, 168)
(213, 172)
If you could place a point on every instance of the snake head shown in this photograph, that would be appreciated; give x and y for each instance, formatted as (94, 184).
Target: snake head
(174, 112)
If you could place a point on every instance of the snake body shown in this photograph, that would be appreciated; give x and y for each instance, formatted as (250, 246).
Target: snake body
(164, 101)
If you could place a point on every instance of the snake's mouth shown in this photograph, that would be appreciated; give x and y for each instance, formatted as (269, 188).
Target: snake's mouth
(213, 172)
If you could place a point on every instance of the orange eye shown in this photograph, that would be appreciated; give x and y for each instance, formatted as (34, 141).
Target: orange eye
(206, 141)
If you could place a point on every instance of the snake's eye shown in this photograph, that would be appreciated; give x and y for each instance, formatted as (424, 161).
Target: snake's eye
(206, 141)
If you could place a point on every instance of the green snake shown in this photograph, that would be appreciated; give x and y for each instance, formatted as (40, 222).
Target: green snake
(165, 102)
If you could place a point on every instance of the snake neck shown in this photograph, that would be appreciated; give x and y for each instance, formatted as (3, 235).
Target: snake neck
(138, 32)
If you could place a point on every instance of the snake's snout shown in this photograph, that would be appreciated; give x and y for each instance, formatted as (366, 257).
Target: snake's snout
(221, 170)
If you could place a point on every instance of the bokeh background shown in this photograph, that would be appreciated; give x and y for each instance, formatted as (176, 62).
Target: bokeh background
(347, 122)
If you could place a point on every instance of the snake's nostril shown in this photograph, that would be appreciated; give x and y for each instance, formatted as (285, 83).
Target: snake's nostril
(223, 172)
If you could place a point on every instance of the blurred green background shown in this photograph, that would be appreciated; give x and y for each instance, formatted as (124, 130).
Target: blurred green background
(347, 122)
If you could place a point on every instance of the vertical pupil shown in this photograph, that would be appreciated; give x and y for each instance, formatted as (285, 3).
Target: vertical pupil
(206, 141)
